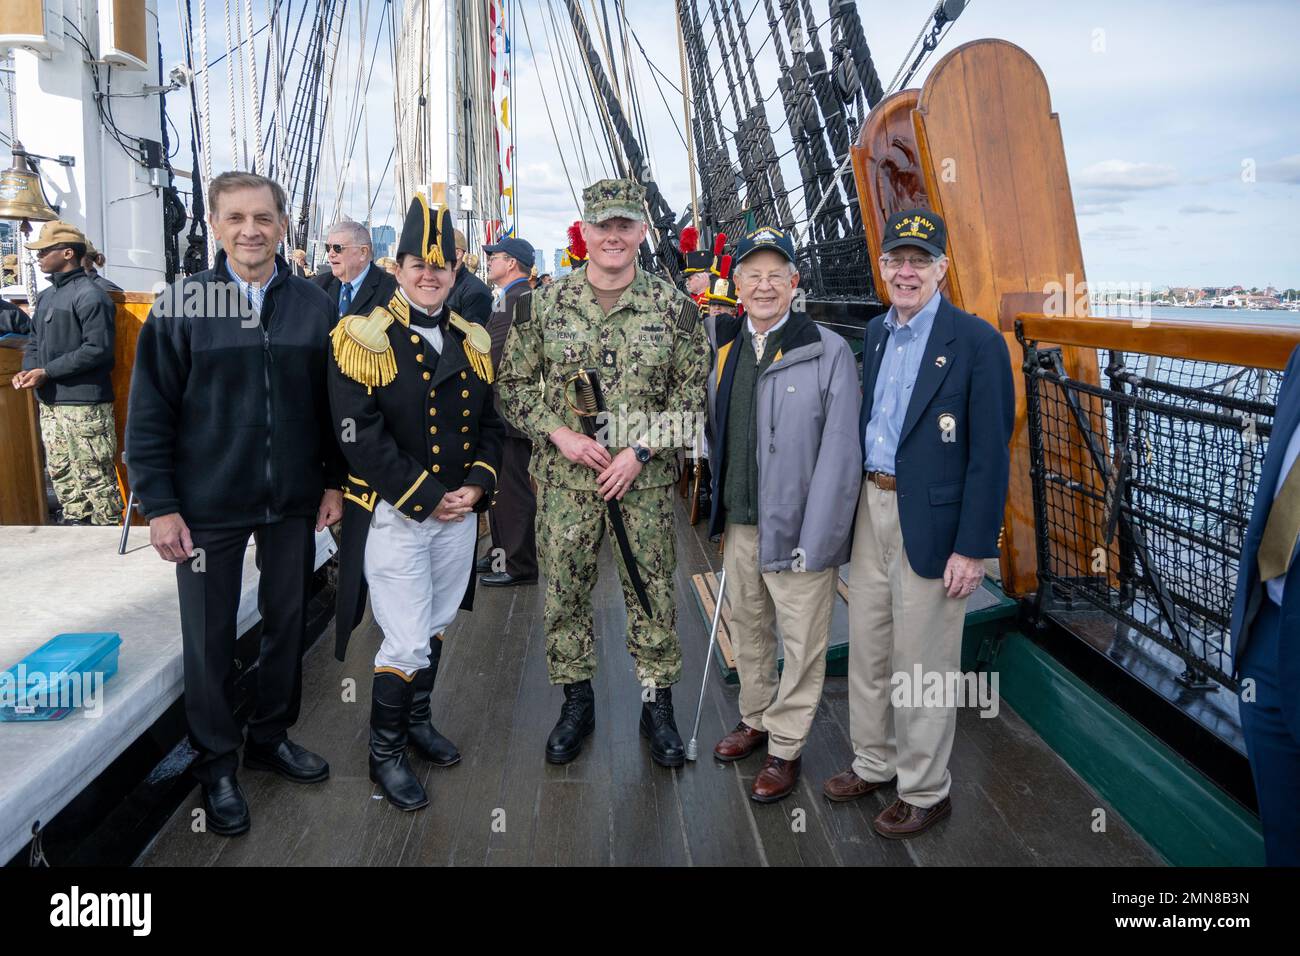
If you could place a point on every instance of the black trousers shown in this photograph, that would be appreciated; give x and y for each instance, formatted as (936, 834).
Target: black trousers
(209, 599)
(513, 515)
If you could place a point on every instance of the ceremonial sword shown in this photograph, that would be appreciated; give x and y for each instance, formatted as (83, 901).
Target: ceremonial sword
(590, 403)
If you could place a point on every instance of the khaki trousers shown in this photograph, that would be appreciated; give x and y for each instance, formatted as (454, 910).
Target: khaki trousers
(898, 620)
(800, 603)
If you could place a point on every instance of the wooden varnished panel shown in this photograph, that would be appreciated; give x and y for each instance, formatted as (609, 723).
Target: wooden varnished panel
(132, 310)
(1253, 345)
(995, 170)
(887, 168)
(22, 473)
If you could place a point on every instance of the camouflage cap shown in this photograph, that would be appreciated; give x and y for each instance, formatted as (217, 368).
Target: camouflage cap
(613, 198)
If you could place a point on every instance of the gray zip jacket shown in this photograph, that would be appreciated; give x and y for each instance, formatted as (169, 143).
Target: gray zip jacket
(809, 460)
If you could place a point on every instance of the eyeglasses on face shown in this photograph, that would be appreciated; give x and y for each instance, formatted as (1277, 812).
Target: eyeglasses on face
(916, 262)
(339, 246)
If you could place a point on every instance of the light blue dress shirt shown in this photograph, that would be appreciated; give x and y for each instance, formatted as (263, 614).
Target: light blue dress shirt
(1277, 587)
(904, 346)
(254, 294)
(356, 287)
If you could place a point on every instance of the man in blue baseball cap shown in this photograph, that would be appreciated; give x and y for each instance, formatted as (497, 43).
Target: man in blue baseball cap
(513, 558)
(938, 406)
(785, 503)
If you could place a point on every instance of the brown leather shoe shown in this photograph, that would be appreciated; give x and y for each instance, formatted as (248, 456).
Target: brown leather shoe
(776, 780)
(901, 820)
(740, 743)
(847, 786)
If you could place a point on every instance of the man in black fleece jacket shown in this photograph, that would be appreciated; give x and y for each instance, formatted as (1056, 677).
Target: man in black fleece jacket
(228, 435)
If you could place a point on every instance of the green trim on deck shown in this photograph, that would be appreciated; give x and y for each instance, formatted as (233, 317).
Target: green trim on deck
(1175, 808)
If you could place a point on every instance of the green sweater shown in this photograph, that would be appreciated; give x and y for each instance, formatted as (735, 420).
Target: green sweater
(740, 478)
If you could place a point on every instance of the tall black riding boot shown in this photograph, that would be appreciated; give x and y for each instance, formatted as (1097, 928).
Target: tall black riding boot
(706, 488)
(660, 727)
(430, 744)
(390, 710)
(577, 719)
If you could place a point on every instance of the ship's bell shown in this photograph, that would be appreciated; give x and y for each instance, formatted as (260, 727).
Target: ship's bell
(20, 191)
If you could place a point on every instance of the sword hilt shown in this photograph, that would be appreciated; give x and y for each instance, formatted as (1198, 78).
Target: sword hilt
(586, 400)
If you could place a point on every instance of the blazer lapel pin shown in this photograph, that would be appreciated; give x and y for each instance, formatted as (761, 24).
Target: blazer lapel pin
(941, 361)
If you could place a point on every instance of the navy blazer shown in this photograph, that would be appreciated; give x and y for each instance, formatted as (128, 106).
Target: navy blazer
(1250, 591)
(951, 494)
(378, 288)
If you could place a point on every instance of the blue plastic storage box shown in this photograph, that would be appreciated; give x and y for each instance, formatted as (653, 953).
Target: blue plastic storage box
(58, 677)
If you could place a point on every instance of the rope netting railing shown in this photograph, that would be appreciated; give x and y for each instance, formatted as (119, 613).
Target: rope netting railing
(1143, 488)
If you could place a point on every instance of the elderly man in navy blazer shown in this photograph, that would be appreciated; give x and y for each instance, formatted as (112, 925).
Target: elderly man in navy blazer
(1266, 631)
(937, 413)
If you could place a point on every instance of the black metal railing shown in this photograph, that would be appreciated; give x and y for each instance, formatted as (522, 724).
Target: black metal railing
(837, 269)
(1143, 488)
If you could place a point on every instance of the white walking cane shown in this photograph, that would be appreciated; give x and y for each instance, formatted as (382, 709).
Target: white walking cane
(692, 750)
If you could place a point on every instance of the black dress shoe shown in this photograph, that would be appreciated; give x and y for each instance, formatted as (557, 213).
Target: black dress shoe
(225, 807)
(577, 720)
(430, 744)
(484, 564)
(503, 579)
(660, 727)
(390, 710)
(288, 760)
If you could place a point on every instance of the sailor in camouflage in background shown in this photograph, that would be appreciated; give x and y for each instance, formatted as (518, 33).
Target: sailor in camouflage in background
(645, 339)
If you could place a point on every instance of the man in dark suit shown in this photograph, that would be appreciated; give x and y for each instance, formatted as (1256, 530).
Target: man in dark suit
(513, 513)
(354, 283)
(1265, 625)
(938, 407)
(470, 297)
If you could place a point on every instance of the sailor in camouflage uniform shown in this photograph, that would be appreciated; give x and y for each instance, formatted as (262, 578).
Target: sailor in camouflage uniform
(411, 395)
(645, 339)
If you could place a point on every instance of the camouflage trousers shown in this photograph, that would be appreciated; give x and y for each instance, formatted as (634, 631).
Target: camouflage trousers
(570, 527)
(80, 445)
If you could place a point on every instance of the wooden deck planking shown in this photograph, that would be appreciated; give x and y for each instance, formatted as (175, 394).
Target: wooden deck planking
(1015, 802)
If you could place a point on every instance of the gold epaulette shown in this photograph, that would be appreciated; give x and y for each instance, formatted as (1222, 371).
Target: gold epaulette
(362, 348)
(478, 346)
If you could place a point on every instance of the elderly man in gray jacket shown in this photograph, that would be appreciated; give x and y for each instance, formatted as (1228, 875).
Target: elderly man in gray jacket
(783, 413)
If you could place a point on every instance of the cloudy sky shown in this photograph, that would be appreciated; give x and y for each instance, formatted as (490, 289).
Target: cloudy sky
(1180, 122)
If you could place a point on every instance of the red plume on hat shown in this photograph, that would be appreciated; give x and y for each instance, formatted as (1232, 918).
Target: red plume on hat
(577, 245)
(719, 244)
(724, 267)
(689, 240)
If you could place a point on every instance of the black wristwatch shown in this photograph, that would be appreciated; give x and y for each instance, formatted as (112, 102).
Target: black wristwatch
(642, 453)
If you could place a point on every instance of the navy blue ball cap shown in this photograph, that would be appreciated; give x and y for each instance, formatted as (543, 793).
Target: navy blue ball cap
(765, 237)
(518, 249)
(916, 227)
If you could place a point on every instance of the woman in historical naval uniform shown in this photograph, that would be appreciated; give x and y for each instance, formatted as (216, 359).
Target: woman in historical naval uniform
(411, 397)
